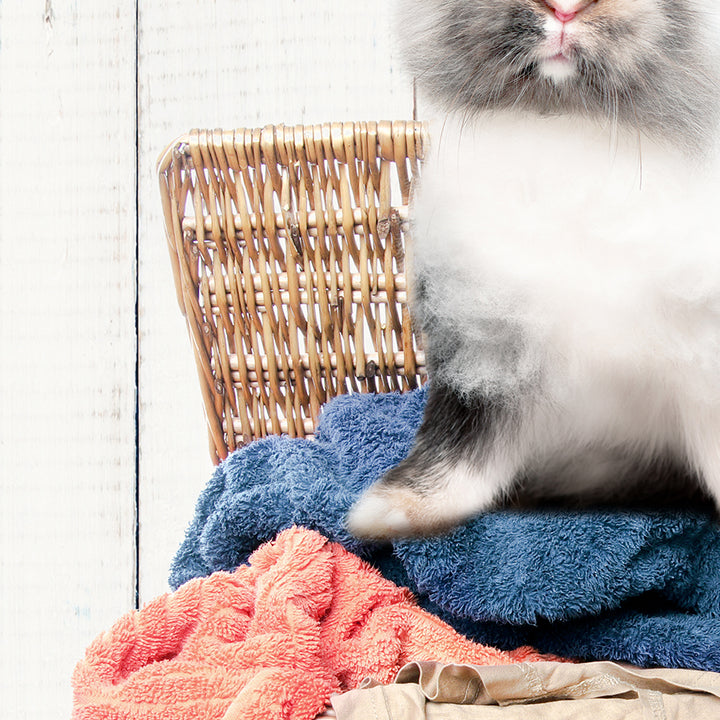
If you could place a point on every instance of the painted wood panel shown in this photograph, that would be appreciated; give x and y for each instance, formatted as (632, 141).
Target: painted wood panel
(230, 63)
(67, 367)
(69, 73)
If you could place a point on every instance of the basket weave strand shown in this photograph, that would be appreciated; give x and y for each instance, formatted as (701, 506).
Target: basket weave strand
(288, 252)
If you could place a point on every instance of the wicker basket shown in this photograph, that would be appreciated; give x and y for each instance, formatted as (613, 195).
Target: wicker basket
(287, 247)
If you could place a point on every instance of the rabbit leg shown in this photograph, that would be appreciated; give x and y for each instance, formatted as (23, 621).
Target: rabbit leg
(463, 461)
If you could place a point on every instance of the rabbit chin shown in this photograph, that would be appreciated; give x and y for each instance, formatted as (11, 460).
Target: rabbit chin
(558, 68)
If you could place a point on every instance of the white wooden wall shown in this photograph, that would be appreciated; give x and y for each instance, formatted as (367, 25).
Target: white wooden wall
(97, 483)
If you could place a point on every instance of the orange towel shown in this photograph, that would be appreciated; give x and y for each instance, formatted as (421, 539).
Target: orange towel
(273, 639)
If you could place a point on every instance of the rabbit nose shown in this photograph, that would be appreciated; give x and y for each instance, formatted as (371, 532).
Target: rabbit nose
(564, 16)
(566, 10)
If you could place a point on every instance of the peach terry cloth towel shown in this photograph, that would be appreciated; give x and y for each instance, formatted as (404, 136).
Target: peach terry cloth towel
(274, 639)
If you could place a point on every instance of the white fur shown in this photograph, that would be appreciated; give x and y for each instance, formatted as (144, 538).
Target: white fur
(605, 250)
(373, 515)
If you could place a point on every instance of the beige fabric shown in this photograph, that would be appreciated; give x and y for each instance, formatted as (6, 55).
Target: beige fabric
(535, 691)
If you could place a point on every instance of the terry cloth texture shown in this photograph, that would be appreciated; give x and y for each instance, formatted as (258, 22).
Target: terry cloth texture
(630, 586)
(542, 691)
(274, 639)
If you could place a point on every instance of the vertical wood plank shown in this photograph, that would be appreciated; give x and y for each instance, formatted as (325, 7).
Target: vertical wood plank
(67, 367)
(228, 63)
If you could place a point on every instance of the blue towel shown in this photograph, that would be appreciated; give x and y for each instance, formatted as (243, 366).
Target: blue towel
(628, 586)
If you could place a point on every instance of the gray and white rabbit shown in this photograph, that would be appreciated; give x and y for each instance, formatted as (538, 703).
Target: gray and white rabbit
(565, 255)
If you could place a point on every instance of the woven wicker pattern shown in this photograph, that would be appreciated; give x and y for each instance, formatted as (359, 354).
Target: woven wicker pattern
(287, 247)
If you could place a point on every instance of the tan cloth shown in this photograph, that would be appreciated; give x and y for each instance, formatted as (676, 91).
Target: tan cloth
(535, 691)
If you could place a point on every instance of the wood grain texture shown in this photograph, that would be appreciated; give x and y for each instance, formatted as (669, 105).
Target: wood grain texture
(231, 63)
(69, 73)
(67, 253)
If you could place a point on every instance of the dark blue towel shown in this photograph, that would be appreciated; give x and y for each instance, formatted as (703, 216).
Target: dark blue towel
(630, 586)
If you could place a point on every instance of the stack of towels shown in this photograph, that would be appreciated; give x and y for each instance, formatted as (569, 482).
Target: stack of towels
(316, 609)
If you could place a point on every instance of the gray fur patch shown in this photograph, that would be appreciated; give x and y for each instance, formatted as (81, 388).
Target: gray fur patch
(651, 71)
